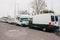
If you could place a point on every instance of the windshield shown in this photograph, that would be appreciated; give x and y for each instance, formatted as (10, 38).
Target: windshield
(24, 19)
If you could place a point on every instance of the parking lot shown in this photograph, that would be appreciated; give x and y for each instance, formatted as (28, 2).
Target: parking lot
(13, 32)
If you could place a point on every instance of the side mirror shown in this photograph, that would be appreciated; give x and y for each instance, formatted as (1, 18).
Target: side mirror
(20, 21)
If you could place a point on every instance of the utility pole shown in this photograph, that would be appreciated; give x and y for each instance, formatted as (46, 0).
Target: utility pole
(15, 11)
(18, 13)
(52, 4)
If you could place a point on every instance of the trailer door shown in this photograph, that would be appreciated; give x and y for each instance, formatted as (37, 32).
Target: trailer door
(54, 20)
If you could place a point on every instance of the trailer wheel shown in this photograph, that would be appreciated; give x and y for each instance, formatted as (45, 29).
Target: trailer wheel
(44, 29)
(57, 32)
(31, 26)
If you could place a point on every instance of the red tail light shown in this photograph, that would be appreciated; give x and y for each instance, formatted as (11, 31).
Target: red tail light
(49, 24)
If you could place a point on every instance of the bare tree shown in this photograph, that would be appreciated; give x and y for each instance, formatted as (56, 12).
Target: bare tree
(38, 5)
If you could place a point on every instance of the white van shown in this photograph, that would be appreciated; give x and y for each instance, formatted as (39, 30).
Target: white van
(2, 20)
(11, 20)
(46, 22)
(23, 20)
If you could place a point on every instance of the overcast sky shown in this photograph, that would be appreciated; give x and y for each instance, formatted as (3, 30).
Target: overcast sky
(7, 6)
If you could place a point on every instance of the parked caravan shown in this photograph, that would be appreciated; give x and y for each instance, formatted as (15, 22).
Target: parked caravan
(23, 20)
(46, 22)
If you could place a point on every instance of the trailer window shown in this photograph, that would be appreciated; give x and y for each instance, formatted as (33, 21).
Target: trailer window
(56, 18)
(52, 18)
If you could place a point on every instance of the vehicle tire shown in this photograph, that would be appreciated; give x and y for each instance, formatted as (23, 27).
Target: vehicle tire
(57, 32)
(21, 25)
(44, 29)
(30, 27)
(16, 24)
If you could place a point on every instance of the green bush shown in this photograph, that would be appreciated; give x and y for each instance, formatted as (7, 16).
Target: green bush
(47, 11)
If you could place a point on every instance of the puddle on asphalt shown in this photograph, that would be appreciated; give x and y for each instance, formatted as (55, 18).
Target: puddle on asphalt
(15, 33)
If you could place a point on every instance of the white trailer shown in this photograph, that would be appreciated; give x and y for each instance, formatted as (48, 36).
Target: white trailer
(11, 20)
(46, 22)
(23, 20)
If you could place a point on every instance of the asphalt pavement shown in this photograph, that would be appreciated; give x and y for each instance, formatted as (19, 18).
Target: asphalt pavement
(13, 32)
